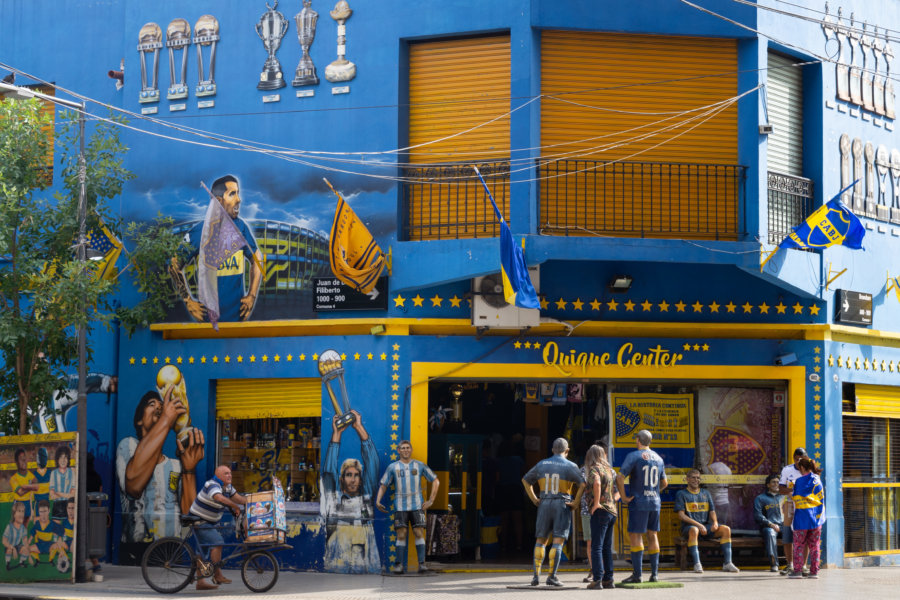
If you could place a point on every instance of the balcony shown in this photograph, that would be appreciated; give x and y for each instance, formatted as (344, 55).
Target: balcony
(790, 202)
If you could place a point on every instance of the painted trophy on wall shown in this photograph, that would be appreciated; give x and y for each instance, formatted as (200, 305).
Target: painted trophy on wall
(271, 29)
(150, 42)
(178, 37)
(341, 69)
(206, 33)
(306, 33)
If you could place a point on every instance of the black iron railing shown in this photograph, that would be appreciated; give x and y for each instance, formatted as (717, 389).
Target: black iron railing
(790, 202)
(641, 199)
(448, 202)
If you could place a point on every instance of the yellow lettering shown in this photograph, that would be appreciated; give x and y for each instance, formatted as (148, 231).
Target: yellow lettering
(626, 347)
(604, 360)
(635, 359)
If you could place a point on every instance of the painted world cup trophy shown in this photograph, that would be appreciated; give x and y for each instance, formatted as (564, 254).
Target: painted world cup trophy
(271, 29)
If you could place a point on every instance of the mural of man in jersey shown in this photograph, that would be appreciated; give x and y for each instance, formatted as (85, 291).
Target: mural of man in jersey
(154, 488)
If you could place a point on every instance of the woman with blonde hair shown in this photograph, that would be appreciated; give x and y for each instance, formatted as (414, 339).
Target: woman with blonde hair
(602, 498)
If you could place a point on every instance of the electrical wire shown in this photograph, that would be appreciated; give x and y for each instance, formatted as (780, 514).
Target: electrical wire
(821, 22)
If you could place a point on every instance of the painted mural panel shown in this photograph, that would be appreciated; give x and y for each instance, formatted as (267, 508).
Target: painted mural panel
(37, 506)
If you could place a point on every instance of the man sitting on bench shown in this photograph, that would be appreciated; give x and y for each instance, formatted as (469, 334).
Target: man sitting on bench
(767, 512)
(697, 512)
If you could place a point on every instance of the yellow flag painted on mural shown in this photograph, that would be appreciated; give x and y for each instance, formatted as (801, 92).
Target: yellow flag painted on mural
(356, 258)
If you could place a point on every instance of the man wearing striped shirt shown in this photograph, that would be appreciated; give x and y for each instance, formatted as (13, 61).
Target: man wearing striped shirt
(216, 496)
(408, 505)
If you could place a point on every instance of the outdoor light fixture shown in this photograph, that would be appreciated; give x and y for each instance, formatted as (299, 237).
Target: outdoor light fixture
(456, 390)
(620, 284)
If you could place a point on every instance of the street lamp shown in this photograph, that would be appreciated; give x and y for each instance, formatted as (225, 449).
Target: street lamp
(81, 520)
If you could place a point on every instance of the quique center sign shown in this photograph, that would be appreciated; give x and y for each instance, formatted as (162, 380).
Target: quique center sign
(625, 357)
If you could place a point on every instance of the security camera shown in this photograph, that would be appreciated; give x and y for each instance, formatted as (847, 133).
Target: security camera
(786, 359)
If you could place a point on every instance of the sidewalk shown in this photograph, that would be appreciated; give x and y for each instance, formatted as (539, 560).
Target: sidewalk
(126, 583)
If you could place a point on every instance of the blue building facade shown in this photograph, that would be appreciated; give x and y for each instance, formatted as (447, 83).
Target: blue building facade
(647, 157)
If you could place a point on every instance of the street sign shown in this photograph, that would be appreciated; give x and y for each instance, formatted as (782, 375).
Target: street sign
(331, 294)
(853, 307)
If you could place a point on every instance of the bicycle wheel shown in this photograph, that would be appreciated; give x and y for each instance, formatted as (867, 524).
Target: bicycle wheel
(168, 565)
(260, 571)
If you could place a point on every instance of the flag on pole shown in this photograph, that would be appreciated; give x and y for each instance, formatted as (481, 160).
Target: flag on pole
(219, 239)
(356, 258)
(104, 241)
(517, 286)
(894, 284)
(831, 224)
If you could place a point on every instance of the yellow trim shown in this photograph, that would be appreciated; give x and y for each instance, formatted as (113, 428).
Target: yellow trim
(422, 372)
(870, 485)
(873, 553)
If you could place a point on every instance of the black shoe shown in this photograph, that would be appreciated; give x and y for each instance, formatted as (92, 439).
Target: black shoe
(608, 584)
(595, 585)
(653, 579)
(552, 581)
(535, 581)
(632, 579)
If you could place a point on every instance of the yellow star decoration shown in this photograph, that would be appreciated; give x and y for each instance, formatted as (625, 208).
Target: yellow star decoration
(578, 304)
(663, 306)
(561, 304)
(687, 347)
(383, 356)
(131, 361)
(517, 344)
(536, 345)
(143, 360)
(730, 306)
(544, 303)
(629, 306)
(399, 301)
(395, 387)
(191, 360)
(395, 406)
(395, 367)
(857, 363)
(178, 360)
(253, 358)
(698, 308)
(240, 358)
(595, 305)
(705, 347)
(817, 359)
(696, 347)
(866, 364)
(780, 307)
(203, 360)
(395, 376)
(813, 309)
(454, 301)
(418, 300)
(817, 350)
(714, 307)
(613, 305)
(831, 361)
(315, 356)
(395, 347)
(215, 359)
(395, 356)
(680, 305)
(436, 300)
(369, 356)
(168, 360)
(647, 305)
(764, 308)
(290, 357)
(748, 308)
(265, 358)
(798, 309)
(528, 345)
(891, 366)
(155, 360)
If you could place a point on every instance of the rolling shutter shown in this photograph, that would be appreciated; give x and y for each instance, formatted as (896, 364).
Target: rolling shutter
(592, 85)
(268, 398)
(877, 401)
(457, 86)
(784, 99)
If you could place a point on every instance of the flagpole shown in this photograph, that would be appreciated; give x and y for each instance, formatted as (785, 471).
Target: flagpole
(253, 254)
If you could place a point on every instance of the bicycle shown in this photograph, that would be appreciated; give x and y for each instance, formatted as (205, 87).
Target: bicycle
(171, 563)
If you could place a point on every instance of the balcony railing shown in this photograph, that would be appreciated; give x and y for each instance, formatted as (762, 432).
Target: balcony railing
(641, 199)
(448, 202)
(790, 202)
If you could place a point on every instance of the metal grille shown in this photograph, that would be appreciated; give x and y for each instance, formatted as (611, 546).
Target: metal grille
(790, 202)
(641, 199)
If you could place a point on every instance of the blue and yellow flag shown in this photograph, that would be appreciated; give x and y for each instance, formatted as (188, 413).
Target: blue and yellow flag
(104, 241)
(356, 258)
(517, 287)
(831, 224)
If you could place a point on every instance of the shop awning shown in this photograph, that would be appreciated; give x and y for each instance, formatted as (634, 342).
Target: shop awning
(268, 398)
(877, 401)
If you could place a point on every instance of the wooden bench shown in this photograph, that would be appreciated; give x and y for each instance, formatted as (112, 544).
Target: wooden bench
(681, 553)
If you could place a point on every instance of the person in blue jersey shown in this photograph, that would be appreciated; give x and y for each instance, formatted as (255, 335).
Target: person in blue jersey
(767, 514)
(42, 476)
(789, 474)
(561, 486)
(646, 475)
(217, 496)
(697, 511)
(809, 516)
(409, 508)
(235, 302)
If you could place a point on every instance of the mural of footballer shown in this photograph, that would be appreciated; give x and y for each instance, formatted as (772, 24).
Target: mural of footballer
(235, 303)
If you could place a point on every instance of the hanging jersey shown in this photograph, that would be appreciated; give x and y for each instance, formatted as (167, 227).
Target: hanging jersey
(408, 488)
(557, 477)
(696, 506)
(644, 470)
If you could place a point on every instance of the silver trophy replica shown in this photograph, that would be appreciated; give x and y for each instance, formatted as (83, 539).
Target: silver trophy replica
(150, 39)
(306, 33)
(341, 69)
(271, 29)
(331, 367)
(206, 33)
(178, 37)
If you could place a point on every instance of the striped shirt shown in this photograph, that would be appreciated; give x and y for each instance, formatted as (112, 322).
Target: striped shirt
(62, 482)
(44, 535)
(408, 491)
(557, 477)
(155, 513)
(43, 481)
(206, 506)
(14, 534)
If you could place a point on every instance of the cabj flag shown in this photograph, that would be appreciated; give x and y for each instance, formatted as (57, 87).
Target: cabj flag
(829, 225)
(104, 241)
(517, 287)
(356, 258)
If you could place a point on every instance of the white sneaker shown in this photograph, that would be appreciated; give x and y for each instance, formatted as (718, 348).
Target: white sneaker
(698, 568)
(730, 568)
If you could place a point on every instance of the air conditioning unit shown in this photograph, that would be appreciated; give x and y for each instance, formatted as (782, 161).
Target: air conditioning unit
(490, 308)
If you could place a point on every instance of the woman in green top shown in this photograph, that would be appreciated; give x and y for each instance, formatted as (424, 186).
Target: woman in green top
(602, 496)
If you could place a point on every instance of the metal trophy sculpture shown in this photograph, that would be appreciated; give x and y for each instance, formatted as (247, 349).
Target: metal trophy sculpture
(170, 376)
(150, 42)
(271, 29)
(341, 69)
(178, 37)
(306, 33)
(206, 33)
(331, 367)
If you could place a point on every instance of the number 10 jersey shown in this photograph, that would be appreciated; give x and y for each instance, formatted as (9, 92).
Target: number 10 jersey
(557, 477)
(644, 470)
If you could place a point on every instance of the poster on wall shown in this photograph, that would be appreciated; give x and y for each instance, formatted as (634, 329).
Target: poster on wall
(37, 506)
(669, 416)
(740, 431)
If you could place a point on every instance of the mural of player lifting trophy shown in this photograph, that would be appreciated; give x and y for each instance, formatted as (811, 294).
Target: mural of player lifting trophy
(306, 34)
(155, 489)
(150, 42)
(178, 37)
(206, 33)
(347, 487)
(271, 29)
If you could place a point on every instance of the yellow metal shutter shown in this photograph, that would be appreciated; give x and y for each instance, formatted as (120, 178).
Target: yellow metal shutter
(877, 401)
(455, 86)
(268, 398)
(585, 78)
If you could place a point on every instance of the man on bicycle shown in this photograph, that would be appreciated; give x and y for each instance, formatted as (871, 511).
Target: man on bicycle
(217, 495)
